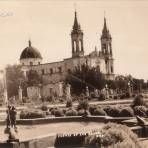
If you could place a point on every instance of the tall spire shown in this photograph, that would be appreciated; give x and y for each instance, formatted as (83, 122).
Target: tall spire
(29, 42)
(105, 30)
(76, 26)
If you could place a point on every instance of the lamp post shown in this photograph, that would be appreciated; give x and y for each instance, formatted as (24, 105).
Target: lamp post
(106, 90)
(129, 88)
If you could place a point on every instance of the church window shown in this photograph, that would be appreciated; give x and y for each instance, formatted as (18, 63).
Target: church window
(39, 63)
(31, 63)
(111, 69)
(43, 71)
(60, 69)
(80, 48)
(51, 71)
(75, 45)
(81, 45)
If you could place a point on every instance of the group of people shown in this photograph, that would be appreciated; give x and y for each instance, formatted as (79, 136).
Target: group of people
(11, 116)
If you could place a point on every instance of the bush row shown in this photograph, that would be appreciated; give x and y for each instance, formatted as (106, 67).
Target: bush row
(113, 111)
(138, 107)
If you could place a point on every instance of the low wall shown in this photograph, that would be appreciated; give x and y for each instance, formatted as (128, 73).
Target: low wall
(40, 142)
(103, 119)
(47, 120)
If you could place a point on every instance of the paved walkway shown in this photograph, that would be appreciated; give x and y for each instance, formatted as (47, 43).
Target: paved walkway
(29, 132)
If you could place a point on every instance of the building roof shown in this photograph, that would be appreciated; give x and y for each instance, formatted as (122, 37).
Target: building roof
(30, 52)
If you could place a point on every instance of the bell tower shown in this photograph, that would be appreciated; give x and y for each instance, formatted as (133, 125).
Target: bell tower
(77, 39)
(106, 49)
(106, 40)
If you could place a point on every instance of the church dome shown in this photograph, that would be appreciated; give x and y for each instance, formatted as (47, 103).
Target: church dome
(30, 52)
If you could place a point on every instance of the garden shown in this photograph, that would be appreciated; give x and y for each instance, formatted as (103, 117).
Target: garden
(137, 108)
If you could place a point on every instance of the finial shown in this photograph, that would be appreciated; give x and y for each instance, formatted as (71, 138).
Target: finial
(29, 43)
(104, 15)
(75, 5)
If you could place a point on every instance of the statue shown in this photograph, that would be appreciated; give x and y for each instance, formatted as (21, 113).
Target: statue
(20, 93)
(8, 121)
(87, 92)
(60, 89)
(68, 93)
(96, 93)
(11, 119)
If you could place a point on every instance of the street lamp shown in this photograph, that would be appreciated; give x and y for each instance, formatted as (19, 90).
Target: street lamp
(106, 89)
(129, 88)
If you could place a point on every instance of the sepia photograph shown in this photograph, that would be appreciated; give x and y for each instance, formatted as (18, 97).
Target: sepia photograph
(73, 74)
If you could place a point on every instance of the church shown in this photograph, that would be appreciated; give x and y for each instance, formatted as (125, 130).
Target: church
(54, 73)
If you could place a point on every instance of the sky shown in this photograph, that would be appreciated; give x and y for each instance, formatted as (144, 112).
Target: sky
(48, 24)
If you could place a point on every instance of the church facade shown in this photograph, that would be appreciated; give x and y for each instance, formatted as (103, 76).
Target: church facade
(53, 74)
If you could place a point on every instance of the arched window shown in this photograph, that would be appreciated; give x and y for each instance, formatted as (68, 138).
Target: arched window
(80, 47)
(51, 71)
(74, 45)
(112, 69)
(60, 69)
(31, 63)
(43, 71)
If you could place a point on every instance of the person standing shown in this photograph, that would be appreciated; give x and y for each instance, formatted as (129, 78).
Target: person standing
(8, 119)
(13, 114)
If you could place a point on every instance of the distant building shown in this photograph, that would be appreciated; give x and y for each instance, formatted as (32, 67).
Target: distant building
(54, 73)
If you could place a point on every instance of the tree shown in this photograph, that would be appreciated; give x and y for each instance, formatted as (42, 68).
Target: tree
(84, 76)
(14, 79)
(33, 78)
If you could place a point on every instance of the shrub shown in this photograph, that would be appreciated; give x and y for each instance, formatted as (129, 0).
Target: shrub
(92, 108)
(127, 95)
(123, 96)
(83, 112)
(52, 110)
(99, 112)
(113, 111)
(126, 112)
(115, 97)
(83, 104)
(138, 101)
(140, 111)
(69, 103)
(49, 99)
(102, 97)
(48, 113)
(114, 135)
(71, 112)
(58, 113)
(119, 134)
(44, 108)
(32, 114)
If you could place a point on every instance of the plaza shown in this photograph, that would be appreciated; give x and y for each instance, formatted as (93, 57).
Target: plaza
(79, 79)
